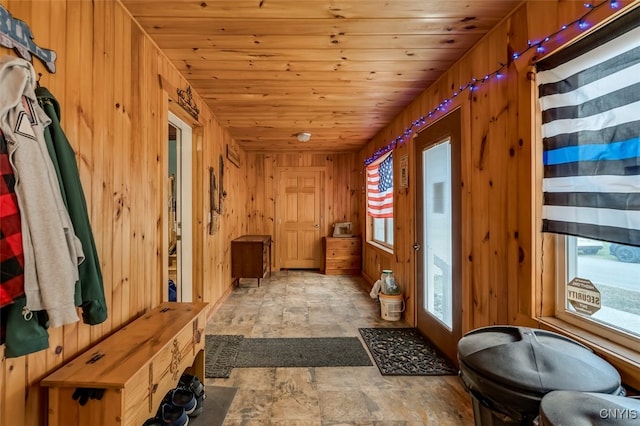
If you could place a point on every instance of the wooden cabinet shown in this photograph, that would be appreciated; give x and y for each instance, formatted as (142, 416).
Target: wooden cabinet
(342, 255)
(135, 367)
(251, 257)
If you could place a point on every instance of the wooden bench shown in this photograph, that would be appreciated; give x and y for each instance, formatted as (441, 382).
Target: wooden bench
(136, 366)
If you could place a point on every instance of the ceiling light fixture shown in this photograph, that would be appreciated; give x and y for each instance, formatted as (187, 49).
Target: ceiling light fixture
(303, 136)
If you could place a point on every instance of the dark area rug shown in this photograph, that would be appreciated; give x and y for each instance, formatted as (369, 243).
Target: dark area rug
(216, 406)
(302, 352)
(224, 353)
(220, 354)
(405, 352)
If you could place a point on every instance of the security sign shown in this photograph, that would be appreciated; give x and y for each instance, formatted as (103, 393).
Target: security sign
(583, 296)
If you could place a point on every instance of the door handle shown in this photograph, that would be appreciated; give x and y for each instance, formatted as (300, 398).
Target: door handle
(316, 225)
(416, 247)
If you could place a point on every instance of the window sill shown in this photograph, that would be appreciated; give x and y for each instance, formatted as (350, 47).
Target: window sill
(380, 247)
(625, 360)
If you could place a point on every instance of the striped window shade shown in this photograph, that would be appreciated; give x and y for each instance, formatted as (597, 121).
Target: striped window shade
(590, 101)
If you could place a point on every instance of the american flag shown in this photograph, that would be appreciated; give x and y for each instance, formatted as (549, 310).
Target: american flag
(380, 187)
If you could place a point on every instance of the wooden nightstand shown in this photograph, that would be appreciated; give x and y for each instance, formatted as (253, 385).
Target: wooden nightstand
(342, 255)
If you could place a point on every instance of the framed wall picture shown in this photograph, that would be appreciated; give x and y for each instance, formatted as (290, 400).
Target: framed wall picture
(404, 171)
(233, 155)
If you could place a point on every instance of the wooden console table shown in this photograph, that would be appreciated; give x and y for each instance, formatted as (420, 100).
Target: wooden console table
(251, 257)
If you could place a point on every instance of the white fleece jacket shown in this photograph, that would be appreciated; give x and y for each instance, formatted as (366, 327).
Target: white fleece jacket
(52, 251)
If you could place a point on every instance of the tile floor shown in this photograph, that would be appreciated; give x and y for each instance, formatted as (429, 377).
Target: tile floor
(310, 304)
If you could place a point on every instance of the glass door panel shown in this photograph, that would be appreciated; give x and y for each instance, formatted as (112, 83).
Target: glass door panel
(438, 235)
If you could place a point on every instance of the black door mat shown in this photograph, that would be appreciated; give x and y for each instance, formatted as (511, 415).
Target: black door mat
(405, 352)
(220, 354)
(224, 352)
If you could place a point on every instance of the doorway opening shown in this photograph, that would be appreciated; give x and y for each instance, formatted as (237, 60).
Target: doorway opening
(180, 222)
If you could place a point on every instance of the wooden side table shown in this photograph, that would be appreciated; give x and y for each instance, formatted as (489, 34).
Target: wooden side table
(251, 257)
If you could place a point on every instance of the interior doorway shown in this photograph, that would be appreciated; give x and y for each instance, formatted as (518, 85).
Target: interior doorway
(180, 229)
(299, 218)
(438, 239)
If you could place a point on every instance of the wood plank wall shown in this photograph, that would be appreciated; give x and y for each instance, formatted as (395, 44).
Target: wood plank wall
(114, 112)
(503, 260)
(343, 188)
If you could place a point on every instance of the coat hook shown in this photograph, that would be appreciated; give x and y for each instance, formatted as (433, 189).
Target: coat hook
(38, 80)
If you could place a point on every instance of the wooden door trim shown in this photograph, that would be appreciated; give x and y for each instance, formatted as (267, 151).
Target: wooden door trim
(197, 200)
(276, 198)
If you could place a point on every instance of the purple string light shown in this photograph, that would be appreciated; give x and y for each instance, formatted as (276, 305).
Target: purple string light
(474, 84)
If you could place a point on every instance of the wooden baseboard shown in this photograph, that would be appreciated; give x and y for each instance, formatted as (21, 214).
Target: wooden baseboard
(219, 303)
(368, 278)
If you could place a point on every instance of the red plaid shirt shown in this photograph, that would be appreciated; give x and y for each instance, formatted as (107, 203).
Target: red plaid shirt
(11, 251)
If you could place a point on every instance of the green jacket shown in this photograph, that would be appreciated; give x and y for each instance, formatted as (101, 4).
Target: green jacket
(89, 293)
(25, 334)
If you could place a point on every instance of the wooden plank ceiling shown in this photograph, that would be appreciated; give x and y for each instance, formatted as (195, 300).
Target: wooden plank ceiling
(339, 69)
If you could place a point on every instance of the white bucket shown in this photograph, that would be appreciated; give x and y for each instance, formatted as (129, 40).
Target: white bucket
(391, 306)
